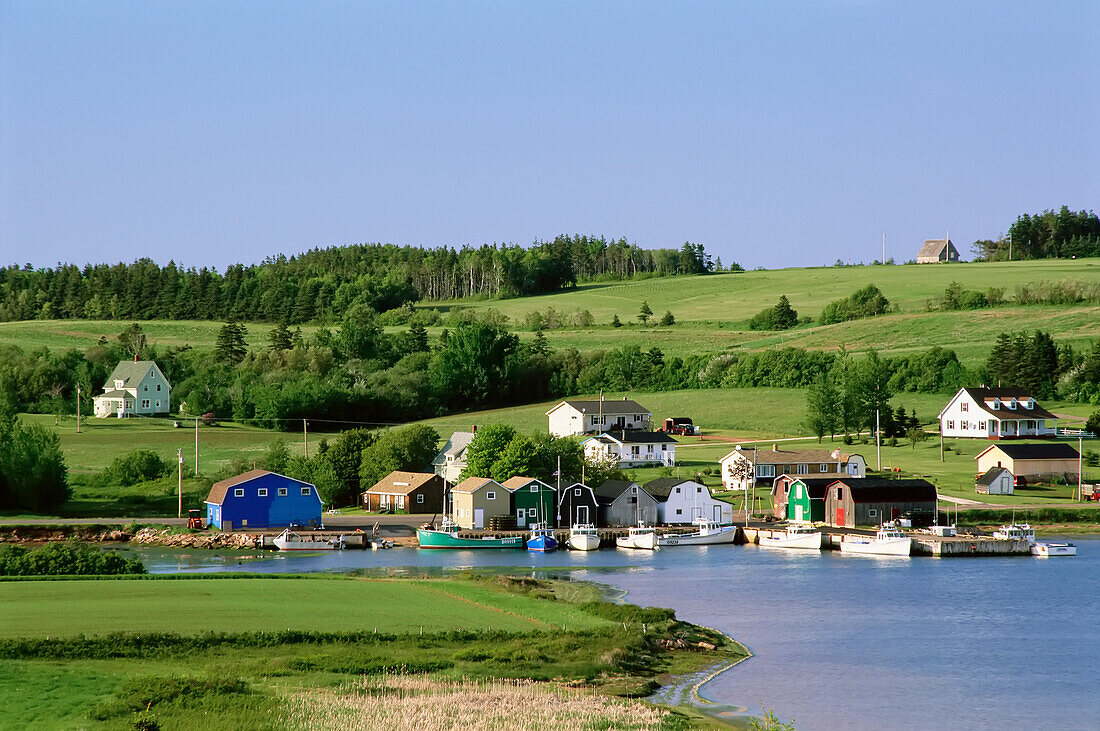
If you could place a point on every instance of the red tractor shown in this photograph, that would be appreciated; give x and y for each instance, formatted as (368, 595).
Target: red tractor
(195, 521)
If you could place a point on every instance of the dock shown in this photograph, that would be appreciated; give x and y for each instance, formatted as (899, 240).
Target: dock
(924, 544)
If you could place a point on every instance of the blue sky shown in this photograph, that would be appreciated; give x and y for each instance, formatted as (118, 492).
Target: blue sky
(779, 133)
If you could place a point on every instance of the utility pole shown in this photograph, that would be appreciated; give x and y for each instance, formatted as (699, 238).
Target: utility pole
(196, 446)
(78, 409)
(179, 455)
(305, 438)
(884, 249)
(878, 441)
(1080, 444)
(941, 440)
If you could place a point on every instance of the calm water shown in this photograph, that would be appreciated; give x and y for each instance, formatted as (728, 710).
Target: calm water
(839, 641)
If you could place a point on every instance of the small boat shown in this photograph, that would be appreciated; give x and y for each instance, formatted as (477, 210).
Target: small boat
(639, 537)
(583, 538)
(1016, 532)
(707, 533)
(796, 536)
(888, 541)
(1048, 549)
(288, 540)
(448, 537)
(542, 539)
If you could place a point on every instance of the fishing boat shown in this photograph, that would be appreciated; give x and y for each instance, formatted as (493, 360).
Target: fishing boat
(889, 540)
(288, 540)
(796, 536)
(1016, 532)
(448, 536)
(542, 539)
(1048, 549)
(583, 537)
(707, 533)
(644, 537)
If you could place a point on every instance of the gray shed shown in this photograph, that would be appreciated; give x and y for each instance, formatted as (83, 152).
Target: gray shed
(996, 481)
(625, 503)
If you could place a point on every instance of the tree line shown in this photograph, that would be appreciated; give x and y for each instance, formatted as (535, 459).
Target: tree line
(323, 284)
(1061, 234)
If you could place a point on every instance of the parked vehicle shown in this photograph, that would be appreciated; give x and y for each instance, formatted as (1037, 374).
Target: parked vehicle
(681, 425)
(195, 521)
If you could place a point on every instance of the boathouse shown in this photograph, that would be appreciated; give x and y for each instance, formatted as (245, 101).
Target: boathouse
(412, 492)
(577, 506)
(800, 499)
(476, 500)
(681, 501)
(625, 503)
(868, 502)
(262, 499)
(533, 501)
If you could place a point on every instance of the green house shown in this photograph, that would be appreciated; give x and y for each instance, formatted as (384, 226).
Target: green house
(806, 499)
(533, 501)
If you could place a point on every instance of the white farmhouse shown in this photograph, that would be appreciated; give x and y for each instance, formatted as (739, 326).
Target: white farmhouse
(577, 416)
(995, 413)
(682, 501)
(134, 387)
(631, 448)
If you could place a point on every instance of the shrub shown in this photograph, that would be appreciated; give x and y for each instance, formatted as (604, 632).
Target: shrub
(145, 693)
(866, 302)
(71, 558)
(141, 465)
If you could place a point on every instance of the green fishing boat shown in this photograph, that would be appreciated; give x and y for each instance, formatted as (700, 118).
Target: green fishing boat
(448, 537)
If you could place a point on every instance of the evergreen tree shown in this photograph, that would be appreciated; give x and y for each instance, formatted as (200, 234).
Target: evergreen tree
(280, 337)
(785, 317)
(645, 313)
(230, 346)
(615, 321)
(668, 319)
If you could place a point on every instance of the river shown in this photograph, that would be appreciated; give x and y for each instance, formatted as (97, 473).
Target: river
(838, 641)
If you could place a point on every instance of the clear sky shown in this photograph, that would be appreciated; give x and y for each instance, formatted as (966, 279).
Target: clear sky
(777, 133)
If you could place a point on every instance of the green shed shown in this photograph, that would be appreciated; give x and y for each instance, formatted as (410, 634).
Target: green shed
(806, 499)
(533, 501)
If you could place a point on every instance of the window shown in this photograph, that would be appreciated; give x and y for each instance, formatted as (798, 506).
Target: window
(802, 469)
(950, 425)
(996, 404)
(964, 406)
(679, 512)
(534, 488)
(633, 490)
(490, 496)
(145, 403)
(282, 492)
(664, 447)
(698, 489)
(577, 492)
(823, 467)
(238, 492)
(765, 470)
(677, 491)
(872, 513)
(158, 403)
(798, 491)
(305, 491)
(261, 492)
(420, 498)
(962, 425)
(158, 386)
(838, 493)
(981, 425)
(144, 388)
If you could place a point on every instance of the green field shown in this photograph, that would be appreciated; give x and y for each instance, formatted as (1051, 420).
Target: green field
(194, 606)
(81, 654)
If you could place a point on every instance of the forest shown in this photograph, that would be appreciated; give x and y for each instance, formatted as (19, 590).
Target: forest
(322, 285)
(1061, 234)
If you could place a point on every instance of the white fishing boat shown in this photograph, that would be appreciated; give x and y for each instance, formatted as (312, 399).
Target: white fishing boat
(796, 536)
(1048, 549)
(1016, 532)
(889, 540)
(288, 540)
(707, 533)
(641, 536)
(583, 538)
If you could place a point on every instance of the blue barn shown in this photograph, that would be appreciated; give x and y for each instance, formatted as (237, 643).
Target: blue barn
(262, 499)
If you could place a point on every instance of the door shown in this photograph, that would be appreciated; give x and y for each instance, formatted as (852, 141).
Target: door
(521, 517)
(840, 516)
(582, 514)
(798, 513)
(717, 514)
(479, 517)
(620, 422)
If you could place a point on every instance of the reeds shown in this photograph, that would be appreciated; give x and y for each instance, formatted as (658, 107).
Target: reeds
(431, 704)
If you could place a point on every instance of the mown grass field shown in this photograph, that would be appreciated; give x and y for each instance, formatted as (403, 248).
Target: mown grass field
(475, 630)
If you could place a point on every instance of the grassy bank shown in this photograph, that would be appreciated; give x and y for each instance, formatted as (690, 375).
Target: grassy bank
(278, 652)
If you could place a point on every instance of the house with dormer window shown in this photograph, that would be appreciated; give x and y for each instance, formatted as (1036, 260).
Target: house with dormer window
(996, 413)
(134, 388)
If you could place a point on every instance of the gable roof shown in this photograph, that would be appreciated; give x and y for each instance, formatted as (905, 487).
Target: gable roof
(661, 487)
(984, 397)
(454, 446)
(612, 489)
(473, 484)
(793, 456)
(933, 247)
(131, 373)
(634, 437)
(402, 483)
(219, 490)
(990, 475)
(816, 487)
(608, 406)
(518, 482)
(880, 490)
(1049, 450)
